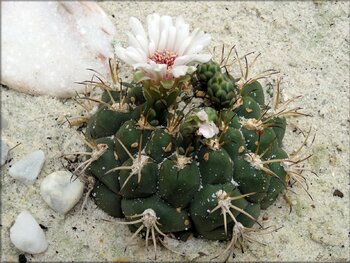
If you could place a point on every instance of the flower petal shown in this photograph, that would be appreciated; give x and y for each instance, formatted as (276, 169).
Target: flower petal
(120, 52)
(151, 48)
(163, 39)
(179, 71)
(188, 42)
(153, 22)
(133, 41)
(173, 40)
(135, 54)
(143, 44)
(202, 115)
(208, 130)
(198, 44)
(136, 27)
(191, 69)
(165, 23)
(182, 33)
(194, 58)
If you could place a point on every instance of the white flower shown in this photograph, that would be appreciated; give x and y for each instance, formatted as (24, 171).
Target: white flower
(203, 116)
(167, 50)
(206, 128)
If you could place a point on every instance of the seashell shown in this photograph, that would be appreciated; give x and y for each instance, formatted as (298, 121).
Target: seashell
(47, 46)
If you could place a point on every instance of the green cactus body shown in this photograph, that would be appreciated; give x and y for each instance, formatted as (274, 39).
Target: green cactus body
(207, 70)
(276, 185)
(216, 167)
(253, 210)
(249, 108)
(220, 155)
(204, 73)
(278, 125)
(192, 143)
(178, 183)
(128, 136)
(140, 180)
(251, 179)
(105, 122)
(205, 201)
(255, 91)
(230, 119)
(217, 233)
(135, 93)
(107, 200)
(106, 162)
(160, 145)
(263, 139)
(233, 142)
(221, 91)
(106, 96)
(170, 219)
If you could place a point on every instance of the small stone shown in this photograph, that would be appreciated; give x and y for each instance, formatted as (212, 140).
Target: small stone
(4, 152)
(45, 228)
(338, 193)
(265, 217)
(60, 191)
(22, 258)
(27, 235)
(28, 168)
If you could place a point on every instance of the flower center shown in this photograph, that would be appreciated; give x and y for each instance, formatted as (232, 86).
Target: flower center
(164, 57)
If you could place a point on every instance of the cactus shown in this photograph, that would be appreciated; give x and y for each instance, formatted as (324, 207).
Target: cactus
(204, 169)
(201, 186)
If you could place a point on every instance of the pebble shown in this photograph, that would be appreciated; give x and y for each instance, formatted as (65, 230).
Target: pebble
(49, 48)
(4, 152)
(60, 191)
(28, 168)
(27, 235)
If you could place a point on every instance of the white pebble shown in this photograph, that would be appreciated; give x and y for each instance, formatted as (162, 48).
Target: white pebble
(4, 152)
(60, 191)
(28, 168)
(27, 235)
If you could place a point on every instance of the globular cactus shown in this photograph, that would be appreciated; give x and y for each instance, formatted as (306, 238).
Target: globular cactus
(221, 91)
(200, 173)
(203, 74)
(204, 170)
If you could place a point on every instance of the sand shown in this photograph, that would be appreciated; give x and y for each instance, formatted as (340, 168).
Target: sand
(308, 42)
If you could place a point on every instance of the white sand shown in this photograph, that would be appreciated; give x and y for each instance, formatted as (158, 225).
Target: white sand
(307, 41)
